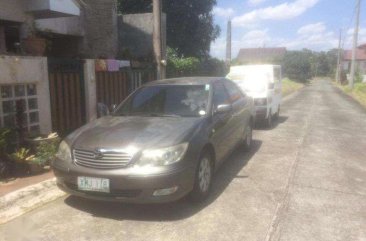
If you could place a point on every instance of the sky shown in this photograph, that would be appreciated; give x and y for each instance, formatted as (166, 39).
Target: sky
(294, 24)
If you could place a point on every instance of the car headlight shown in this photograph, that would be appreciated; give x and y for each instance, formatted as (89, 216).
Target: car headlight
(64, 152)
(163, 156)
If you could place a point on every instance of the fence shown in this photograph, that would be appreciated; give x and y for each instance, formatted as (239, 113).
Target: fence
(67, 95)
(114, 87)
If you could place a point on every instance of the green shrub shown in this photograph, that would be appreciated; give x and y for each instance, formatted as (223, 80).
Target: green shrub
(4, 141)
(46, 151)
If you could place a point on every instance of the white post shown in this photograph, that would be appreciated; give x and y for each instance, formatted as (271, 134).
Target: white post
(90, 90)
(44, 99)
(355, 38)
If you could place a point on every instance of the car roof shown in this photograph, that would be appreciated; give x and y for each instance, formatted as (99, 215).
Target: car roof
(186, 81)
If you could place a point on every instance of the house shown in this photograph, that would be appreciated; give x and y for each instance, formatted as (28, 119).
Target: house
(24, 79)
(48, 55)
(360, 60)
(260, 55)
(68, 28)
(75, 28)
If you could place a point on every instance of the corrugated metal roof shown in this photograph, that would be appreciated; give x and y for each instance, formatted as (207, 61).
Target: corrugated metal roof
(260, 54)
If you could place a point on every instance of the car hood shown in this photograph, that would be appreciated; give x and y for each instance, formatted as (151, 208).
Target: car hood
(113, 132)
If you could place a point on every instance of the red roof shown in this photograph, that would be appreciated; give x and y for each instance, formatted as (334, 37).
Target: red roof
(360, 54)
(362, 46)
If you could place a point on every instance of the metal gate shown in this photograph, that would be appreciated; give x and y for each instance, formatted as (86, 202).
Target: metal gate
(114, 87)
(67, 94)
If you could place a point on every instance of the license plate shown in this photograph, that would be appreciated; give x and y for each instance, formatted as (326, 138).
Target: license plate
(93, 184)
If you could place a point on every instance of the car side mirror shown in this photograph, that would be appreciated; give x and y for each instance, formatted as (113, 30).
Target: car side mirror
(223, 108)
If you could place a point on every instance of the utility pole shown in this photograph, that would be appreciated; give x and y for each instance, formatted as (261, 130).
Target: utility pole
(338, 72)
(160, 68)
(228, 44)
(355, 37)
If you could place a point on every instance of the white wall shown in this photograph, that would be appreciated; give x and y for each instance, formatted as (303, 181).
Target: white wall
(62, 6)
(65, 25)
(19, 70)
(65, 6)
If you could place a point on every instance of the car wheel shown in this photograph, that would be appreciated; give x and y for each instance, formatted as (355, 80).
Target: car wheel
(248, 138)
(269, 122)
(203, 178)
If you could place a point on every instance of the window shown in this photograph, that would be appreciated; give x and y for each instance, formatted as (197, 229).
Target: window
(9, 37)
(234, 92)
(22, 96)
(220, 96)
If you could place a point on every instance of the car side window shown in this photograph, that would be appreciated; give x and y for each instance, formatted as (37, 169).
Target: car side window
(234, 91)
(220, 95)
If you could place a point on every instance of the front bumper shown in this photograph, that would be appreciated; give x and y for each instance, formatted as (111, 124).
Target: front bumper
(126, 187)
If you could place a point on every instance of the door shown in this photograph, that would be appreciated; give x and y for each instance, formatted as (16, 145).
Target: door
(241, 111)
(222, 128)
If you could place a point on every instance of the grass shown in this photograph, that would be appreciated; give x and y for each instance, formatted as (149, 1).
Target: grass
(358, 92)
(290, 86)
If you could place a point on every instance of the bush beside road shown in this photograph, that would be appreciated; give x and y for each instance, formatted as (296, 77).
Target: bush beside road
(358, 93)
(290, 86)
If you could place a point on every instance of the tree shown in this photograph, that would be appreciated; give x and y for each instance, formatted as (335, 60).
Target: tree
(297, 65)
(323, 65)
(192, 66)
(190, 26)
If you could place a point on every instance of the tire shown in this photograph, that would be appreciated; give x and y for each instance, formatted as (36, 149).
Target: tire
(248, 138)
(277, 115)
(269, 120)
(203, 178)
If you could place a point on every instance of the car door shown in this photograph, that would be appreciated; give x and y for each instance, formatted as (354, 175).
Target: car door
(241, 111)
(221, 122)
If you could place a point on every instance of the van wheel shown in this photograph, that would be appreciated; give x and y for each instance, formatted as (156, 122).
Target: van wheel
(278, 112)
(203, 178)
(269, 121)
(248, 138)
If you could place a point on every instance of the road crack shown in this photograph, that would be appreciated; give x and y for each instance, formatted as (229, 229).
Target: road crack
(282, 206)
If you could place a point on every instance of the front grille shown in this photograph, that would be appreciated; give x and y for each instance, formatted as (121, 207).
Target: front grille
(260, 102)
(101, 160)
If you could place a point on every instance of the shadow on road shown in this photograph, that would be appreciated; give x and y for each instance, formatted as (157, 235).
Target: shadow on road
(170, 211)
(261, 125)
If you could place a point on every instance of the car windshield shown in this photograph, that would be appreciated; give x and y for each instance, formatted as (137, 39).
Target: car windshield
(167, 100)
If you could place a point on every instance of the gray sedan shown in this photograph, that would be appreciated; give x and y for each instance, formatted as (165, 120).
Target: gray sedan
(165, 141)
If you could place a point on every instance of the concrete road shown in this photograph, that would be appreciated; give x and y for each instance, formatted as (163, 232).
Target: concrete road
(304, 180)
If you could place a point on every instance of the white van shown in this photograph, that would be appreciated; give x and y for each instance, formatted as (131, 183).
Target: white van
(263, 83)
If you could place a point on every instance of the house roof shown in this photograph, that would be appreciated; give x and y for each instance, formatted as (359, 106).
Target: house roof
(360, 54)
(260, 54)
(362, 46)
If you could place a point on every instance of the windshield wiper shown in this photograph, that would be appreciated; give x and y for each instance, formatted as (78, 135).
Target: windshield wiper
(149, 114)
(164, 115)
